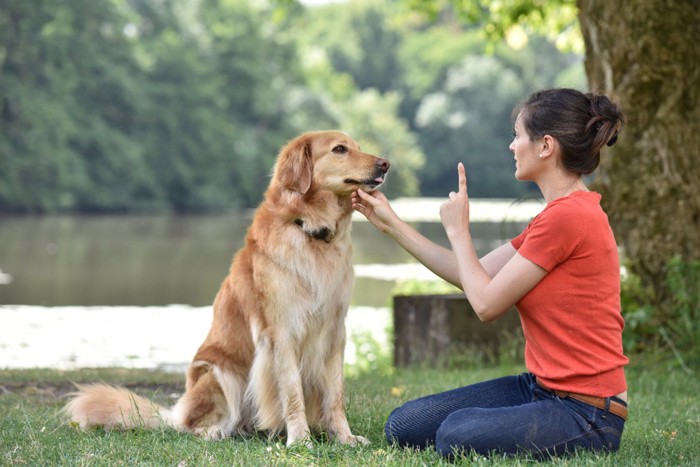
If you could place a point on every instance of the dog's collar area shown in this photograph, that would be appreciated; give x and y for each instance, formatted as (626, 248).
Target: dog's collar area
(324, 233)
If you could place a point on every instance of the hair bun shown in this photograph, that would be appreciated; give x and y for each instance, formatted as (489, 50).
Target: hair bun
(606, 120)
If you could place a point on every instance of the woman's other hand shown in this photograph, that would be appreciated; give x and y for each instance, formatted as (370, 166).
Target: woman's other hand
(376, 208)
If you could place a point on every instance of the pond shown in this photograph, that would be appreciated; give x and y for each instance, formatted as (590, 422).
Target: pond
(162, 260)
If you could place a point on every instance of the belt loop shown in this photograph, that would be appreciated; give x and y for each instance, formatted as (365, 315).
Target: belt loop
(607, 407)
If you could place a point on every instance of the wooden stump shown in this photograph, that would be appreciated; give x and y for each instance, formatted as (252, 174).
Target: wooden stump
(433, 329)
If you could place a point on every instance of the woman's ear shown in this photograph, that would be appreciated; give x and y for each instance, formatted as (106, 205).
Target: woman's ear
(294, 168)
(549, 146)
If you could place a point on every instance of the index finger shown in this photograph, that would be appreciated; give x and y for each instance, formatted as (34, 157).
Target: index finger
(462, 178)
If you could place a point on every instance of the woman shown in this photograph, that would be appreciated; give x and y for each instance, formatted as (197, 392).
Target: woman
(562, 273)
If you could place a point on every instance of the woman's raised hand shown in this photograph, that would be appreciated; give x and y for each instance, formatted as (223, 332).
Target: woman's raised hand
(454, 212)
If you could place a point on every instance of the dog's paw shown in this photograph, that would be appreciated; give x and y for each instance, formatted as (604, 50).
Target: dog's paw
(298, 432)
(211, 433)
(354, 440)
(302, 441)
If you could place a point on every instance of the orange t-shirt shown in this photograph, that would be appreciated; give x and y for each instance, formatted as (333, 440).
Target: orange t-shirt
(571, 319)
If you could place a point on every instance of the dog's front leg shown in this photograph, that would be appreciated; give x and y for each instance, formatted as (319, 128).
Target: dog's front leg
(333, 411)
(290, 391)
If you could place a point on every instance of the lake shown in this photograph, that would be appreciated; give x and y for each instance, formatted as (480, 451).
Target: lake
(135, 291)
(162, 260)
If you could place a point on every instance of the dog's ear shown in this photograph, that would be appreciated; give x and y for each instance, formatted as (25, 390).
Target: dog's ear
(295, 166)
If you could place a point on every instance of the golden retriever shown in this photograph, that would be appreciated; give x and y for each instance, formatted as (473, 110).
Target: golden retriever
(273, 358)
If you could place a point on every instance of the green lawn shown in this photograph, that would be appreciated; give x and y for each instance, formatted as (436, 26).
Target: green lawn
(663, 429)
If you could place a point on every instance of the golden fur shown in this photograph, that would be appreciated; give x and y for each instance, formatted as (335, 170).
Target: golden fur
(273, 358)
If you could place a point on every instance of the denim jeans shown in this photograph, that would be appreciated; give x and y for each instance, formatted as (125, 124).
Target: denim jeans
(505, 415)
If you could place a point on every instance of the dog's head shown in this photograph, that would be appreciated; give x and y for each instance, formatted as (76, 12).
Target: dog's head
(328, 160)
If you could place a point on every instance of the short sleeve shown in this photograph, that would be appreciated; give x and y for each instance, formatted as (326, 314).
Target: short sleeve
(551, 237)
(517, 242)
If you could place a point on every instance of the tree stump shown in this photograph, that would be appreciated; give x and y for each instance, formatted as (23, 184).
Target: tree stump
(433, 329)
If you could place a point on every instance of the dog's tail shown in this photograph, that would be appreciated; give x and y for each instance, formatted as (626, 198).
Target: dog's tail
(114, 408)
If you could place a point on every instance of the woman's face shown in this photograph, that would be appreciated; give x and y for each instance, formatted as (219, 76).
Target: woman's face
(525, 152)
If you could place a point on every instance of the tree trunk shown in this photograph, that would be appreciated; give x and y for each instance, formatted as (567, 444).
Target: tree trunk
(646, 53)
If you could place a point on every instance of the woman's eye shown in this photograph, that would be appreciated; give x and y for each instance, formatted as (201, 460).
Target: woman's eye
(340, 149)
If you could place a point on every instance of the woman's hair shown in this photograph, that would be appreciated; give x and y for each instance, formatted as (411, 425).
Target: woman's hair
(582, 123)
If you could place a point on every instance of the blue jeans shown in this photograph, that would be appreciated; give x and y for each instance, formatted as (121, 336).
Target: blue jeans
(505, 415)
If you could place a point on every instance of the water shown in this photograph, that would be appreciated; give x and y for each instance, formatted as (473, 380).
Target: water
(163, 260)
(135, 291)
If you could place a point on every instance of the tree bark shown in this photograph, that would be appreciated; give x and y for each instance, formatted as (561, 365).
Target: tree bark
(646, 53)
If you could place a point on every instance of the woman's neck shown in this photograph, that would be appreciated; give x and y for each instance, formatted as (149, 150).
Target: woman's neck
(561, 187)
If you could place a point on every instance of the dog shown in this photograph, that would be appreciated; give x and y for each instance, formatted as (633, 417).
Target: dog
(273, 358)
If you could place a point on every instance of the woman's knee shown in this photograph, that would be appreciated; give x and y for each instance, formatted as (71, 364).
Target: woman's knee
(396, 426)
(390, 427)
(445, 439)
(406, 426)
(456, 434)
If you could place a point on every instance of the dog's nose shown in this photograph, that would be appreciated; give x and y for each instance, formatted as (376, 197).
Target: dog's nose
(383, 164)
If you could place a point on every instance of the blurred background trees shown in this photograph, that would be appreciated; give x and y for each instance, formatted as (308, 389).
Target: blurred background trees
(117, 106)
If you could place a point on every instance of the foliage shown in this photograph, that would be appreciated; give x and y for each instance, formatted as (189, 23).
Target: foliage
(424, 287)
(371, 355)
(637, 311)
(129, 106)
(683, 280)
(662, 429)
(513, 19)
(674, 324)
(136, 106)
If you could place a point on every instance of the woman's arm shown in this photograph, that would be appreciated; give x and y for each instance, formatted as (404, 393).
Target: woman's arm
(490, 294)
(376, 208)
(494, 261)
(440, 260)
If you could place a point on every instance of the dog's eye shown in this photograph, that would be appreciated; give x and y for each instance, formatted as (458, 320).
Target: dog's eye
(340, 149)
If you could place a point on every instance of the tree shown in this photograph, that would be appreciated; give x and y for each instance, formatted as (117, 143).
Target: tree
(647, 54)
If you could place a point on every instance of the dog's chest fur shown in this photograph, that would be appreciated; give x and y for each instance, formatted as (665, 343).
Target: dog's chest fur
(312, 277)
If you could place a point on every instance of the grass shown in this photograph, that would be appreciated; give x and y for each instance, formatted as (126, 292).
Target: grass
(663, 429)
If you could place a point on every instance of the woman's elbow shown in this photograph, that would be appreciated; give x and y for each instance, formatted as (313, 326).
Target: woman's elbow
(486, 313)
(485, 317)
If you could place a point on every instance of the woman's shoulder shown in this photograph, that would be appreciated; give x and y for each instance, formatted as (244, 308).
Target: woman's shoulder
(576, 204)
(575, 214)
(582, 198)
